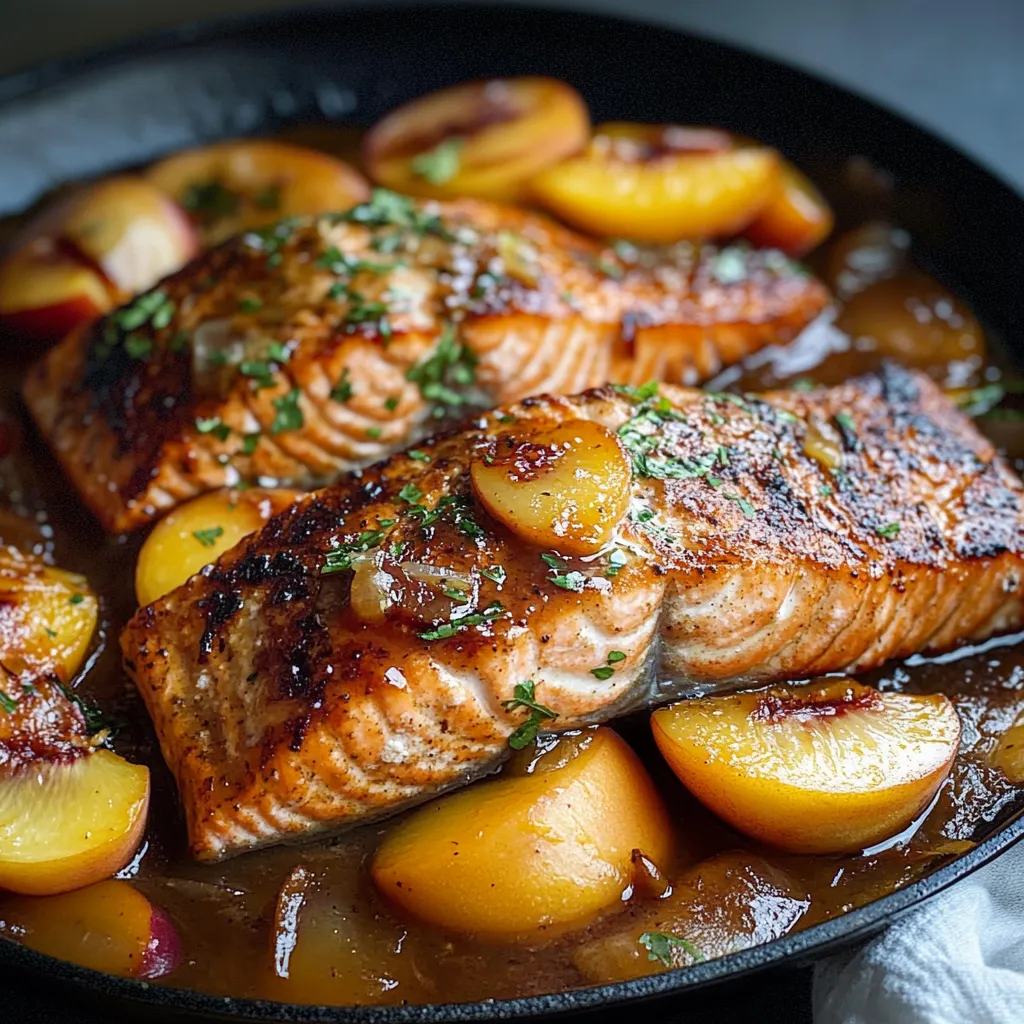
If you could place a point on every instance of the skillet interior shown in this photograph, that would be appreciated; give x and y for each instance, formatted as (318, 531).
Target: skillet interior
(86, 116)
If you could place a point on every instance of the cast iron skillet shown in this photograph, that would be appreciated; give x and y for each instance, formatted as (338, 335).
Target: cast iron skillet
(128, 104)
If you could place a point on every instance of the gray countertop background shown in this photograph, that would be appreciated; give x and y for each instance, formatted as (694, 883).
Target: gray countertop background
(956, 67)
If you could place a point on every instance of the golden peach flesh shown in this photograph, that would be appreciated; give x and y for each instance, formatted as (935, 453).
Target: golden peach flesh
(566, 487)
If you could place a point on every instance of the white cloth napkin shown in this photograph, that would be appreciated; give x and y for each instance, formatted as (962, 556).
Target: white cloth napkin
(957, 960)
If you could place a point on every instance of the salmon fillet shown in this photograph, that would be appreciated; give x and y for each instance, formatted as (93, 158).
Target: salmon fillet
(318, 346)
(768, 538)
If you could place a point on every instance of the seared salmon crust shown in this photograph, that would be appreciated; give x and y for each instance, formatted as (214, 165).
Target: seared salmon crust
(769, 537)
(293, 354)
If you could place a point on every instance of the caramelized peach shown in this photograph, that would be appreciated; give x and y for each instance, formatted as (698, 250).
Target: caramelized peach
(47, 616)
(45, 291)
(566, 487)
(109, 927)
(817, 769)
(481, 139)
(539, 851)
(796, 219)
(657, 183)
(233, 186)
(69, 824)
(912, 318)
(731, 901)
(80, 257)
(199, 532)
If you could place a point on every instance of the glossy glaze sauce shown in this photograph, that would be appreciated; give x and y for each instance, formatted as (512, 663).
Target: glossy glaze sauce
(346, 944)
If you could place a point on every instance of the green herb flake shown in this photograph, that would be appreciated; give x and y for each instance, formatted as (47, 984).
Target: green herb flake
(342, 391)
(730, 266)
(889, 531)
(51, 633)
(616, 656)
(745, 507)
(8, 703)
(415, 453)
(138, 346)
(391, 404)
(76, 599)
(659, 947)
(445, 373)
(208, 537)
(524, 696)
(288, 415)
(249, 442)
(213, 425)
(373, 433)
(446, 629)
(495, 573)
(440, 164)
(339, 558)
(574, 581)
(249, 305)
(210, 201)
(410, 493)
(603, 672)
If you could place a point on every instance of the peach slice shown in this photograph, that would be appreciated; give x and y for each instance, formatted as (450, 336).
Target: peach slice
(109, 927)
(66, 825)
(660, 183)
(482, 139)
(79, 258)
(566, 487)
(912, 318)
(199, 532)
(529, 853)
(829, 768)
(45, 291)
(732, 901)
(234, 186)
(796, 220)
(47, 616)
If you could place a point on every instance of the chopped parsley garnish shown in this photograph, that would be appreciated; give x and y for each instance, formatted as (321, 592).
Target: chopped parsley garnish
(410, 493)
(391, 404)
(213, 425)
(249, 305)
(446, 629)
(606, 671)
(51, 633)
(640, 394)
(138, 346)
(826, 490)
(524, 696)
(415, 453)
(339, 559)
(457, 595)
(373, 433)
(288, 415)
(268, 198)
(342, 391)
(76, 599)
(496, 573)
(7, 703)
(249, 442)
(449, 367)
(94, 719)
(745, 507)
(574, 580)
(279, 352)
(659, 947)
(848, 430)
(210, 200)
(389, 209)
(888, 531)
(440, 164)
(208, 537)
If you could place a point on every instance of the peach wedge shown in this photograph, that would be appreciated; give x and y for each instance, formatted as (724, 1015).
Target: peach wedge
(198, 533)
(69, 824)
(565, 488)
(531, 853)
(827, 768)
(660, 184)
(482, 139)
(110, 927)
(248, 183)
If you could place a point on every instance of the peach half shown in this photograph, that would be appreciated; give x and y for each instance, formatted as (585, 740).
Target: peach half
(532, 853)
(829, 768)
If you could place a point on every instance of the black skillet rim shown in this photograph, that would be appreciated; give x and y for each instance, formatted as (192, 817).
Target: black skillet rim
(800, 947)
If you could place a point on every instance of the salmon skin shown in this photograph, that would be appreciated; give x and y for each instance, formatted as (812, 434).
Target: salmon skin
(768, 538)
(318, 346)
